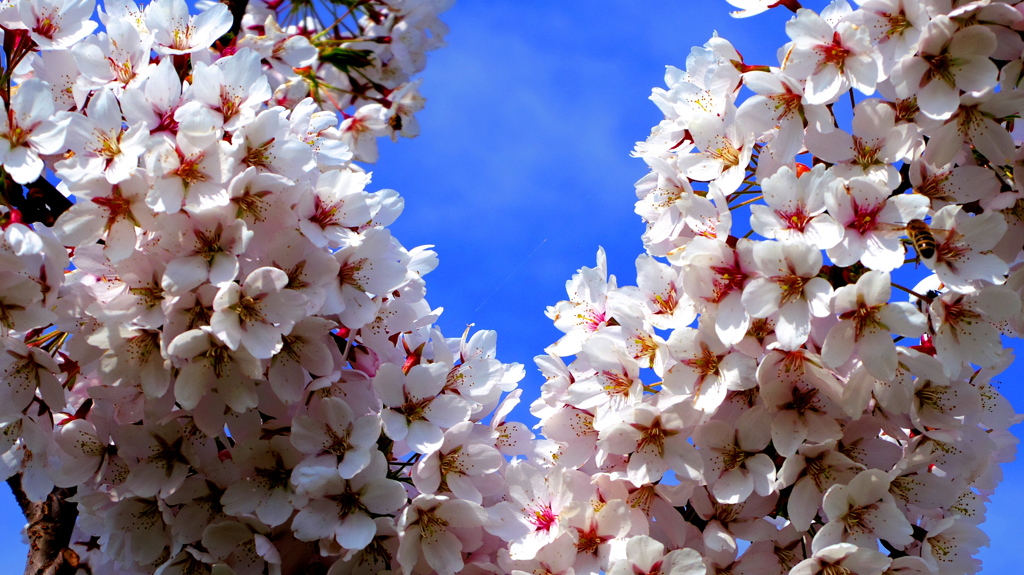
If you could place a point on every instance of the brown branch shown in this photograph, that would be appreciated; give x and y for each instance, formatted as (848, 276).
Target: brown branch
(50, 524)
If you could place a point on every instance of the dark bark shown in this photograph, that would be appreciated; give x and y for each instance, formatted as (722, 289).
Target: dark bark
(50, 524)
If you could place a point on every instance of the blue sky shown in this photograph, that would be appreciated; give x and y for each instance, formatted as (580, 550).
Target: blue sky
(523, 170)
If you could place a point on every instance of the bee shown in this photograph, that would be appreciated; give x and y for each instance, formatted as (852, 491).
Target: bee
(921, 236)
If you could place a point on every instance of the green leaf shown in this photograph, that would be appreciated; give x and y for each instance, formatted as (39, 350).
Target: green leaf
(344, 58)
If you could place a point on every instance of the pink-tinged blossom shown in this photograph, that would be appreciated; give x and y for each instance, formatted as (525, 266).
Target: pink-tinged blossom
(574, 430)
(415, 410)
(207, 365)
(57, 24)
(707, 369)
(159, 456)
(802, 397)
(861, 513)
(372, 267)
(119, 58)
(715, 275)
(100, 142)
(779, 103)
(153, 103)
(304, 354)
(438, 530)
(361, 130)
(207, 246)
(133, 357)
(978, 122)
(725, 146)
(175, 31)
(138, 530)
(466, 462)
(655, 442)
(873, 220)
(586, 310)
(256, 313)
(940, 407)
(233, 88)
(107, 211)
(541, 502)
(963, 248)
(336, 208)
(708, 86)
(186, 174)
(328, 426)
(24, 371)
(794, 208)
(89, 455)
(829, 59)
(895, 27)
(340, 509)
(611, 381)
(949, 59)
(263, 144)
(21, 304)
(667, 306)
(962, 184)
(788, 284)
(812, 470)
(950, 545)
(643, 555)
(726, 523)
(867, 322)
(965, 326)
(877, 143)
(773, 557)
(843, 558)
(30, 128)
(734, 465)
(284, 50)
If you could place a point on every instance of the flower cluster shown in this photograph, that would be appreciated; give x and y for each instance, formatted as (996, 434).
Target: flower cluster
(215, 347)
(221, 357)
(763, 400)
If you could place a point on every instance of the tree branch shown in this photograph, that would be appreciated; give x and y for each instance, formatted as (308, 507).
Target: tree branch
(50, 524)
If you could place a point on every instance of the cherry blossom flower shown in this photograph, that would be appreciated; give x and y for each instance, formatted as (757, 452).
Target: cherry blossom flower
(872, 221)
(948, 60)
(788, 283)
(343, 506)
(433, 527)
(329, 426)
(866, 321)
(794, 208)
(100, 142)
(830, 59)
(57, 24)
(112, 213)
(644, 555)
(862, 512)
(257, 313)
(655, 442)
(877, 143)
(735, 466)
(843, 558)
(28, 130)
(963, 248)
(415, 409)
(707, 368)
(176, 32)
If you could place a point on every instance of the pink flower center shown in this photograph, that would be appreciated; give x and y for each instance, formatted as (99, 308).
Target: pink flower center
(543, 518)
(834, 54)
(795, 220)
(865, 218)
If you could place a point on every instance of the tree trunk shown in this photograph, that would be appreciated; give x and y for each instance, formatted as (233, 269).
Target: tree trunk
(50, 524)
